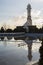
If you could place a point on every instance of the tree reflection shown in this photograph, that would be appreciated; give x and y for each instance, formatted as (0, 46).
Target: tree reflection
(9, 37)
(2, 38)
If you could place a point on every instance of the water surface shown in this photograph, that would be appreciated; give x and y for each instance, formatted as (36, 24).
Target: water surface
(16, 53)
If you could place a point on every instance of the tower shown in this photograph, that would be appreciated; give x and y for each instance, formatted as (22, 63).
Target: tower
(29, 20)
(29, 14)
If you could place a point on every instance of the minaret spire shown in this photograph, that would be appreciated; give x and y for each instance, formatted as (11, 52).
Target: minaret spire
(29, 14)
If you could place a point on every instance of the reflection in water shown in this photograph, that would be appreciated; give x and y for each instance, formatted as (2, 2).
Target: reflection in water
(29, 45)
(2, 38)
(5, 41)
(41, 54)
(30, 52)
(9, 38)
(14, 55)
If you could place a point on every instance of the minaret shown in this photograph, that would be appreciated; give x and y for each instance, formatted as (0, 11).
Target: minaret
(29, 14)
(29, 21)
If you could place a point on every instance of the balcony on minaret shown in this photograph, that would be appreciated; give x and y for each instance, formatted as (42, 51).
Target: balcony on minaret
(29, 18)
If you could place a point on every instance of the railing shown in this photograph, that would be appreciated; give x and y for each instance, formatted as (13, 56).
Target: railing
(35, 35)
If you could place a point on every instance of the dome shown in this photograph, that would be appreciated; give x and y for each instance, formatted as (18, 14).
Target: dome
(28, 6)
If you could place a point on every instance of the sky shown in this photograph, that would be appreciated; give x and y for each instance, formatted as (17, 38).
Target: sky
(14, 13)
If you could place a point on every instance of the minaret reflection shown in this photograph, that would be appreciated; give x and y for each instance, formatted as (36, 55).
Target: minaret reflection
(29, 51)
(29, 45)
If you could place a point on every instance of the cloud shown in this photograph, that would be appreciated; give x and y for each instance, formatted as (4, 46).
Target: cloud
(36, 13)
(37, 18)
(14, 21)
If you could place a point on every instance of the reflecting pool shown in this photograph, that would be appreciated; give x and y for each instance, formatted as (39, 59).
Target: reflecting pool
(17, 53)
